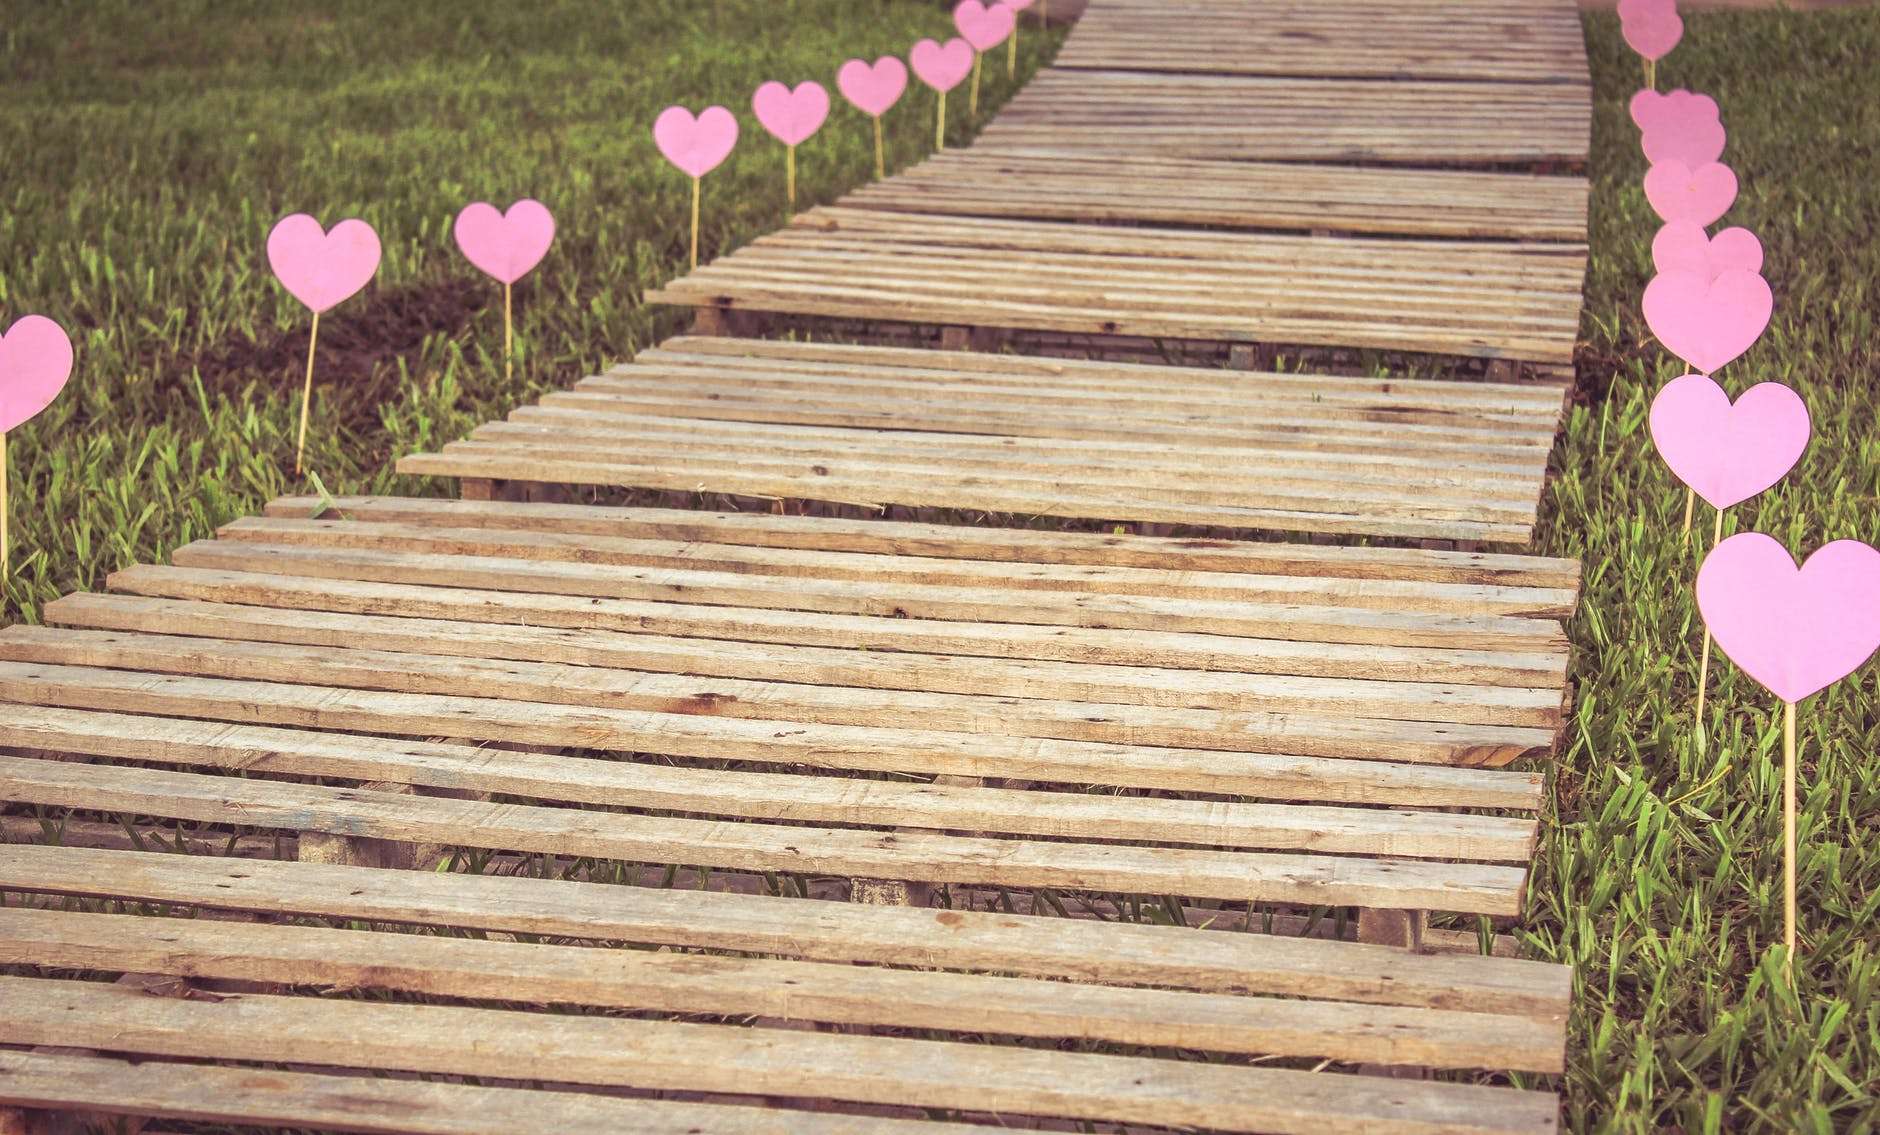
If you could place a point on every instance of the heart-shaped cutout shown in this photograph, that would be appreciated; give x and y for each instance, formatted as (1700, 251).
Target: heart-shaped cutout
(1650, 109)
(1693, 142)
(873, 88)
(1679, 192)
(1707, 323)
(1653, 34)
(984, 26)
(1683, 246)
(506, 245)
(321, 268)
(697, 145)
(791, 116)
(942, 66)
(35, 361)
(1727, 453)
(1795, 630)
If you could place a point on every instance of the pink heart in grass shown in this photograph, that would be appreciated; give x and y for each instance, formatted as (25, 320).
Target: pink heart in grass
(695, 145)
(505, 245)
(985, 26)
(1795, 630)
(1728, 453)
(1650, 109)
(35, 361)
(1678, 192)
(942, 66)
(1653, 34)
(1683, 246)
(791, 116)
(321, 268)
(1691, 141)
(873, 88)
(1708, 322)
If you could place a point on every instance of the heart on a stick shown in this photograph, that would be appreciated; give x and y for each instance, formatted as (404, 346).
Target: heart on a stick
(791, 116)
(1727, 453)
(1651, 110)
(1795, 630)
(984, 26)
(505, 245)
(1693, 142)
(1679, 192)
(942, 66)
(1683, 246)
(1707, 323)
(873, 88)
(695, 144)
(321, 268)
(35, 361)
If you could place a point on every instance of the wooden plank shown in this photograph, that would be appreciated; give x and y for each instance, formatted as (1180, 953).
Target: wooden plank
(686, 1057)
(919, 856)
(857, 665)
(1507, 615)
(783, 990)
(1110, 953)
(216, 1093)
(1555, 581)
(859, 597)
(469, 769)
(870, 749)
(1402, 707)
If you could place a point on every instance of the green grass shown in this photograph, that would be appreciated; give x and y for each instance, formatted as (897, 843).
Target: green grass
(148, 153)
(1661, 875)
(146, 168)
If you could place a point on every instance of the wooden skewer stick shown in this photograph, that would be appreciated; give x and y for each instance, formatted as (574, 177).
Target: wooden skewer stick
(1788, 839)
(1651, 74)
(1011, 53)
(6, 558)
(306, 396)
(972, 103)
(1690, 502)
(789, 176)
(940, 124)
(881, 165)
(695, 222)
(509, 338)
(1703, 664)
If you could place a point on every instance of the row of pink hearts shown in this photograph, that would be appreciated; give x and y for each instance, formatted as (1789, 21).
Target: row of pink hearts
(698, 144)
(1794, 630)
(317, 267)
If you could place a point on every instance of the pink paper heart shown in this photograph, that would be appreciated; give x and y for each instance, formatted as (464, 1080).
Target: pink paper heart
(1707, 323)
(1653, 34)
(1795, 630)
(321, 268)
(791, 116)
(873, 88)
(505, 245)
(983, 26)
(1728, 453)
(1678, 192)
(35, 361)
(1691, 141)
(942, 66)
(1683, 246)
(695, 145)
(1649, 109)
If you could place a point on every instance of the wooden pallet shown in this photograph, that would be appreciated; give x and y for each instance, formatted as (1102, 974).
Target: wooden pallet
(1495, 300)
(1529, 41)
(880, 426)
(1060, 183)
(1132, 114)
(1087, 1016)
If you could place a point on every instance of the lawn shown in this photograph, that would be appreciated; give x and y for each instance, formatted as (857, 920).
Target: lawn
(146, 169)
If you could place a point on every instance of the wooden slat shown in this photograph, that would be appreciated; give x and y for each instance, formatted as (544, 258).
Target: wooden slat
(767, 796)
(868, 749)
(785, 990)
(1547, 586)
(1061, 183)
(1321, 706)
(1251, 876)
(212, 1093)
(713, 1058)
(1081, 950)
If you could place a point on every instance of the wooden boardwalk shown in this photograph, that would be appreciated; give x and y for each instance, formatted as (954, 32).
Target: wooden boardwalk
(522, 812)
